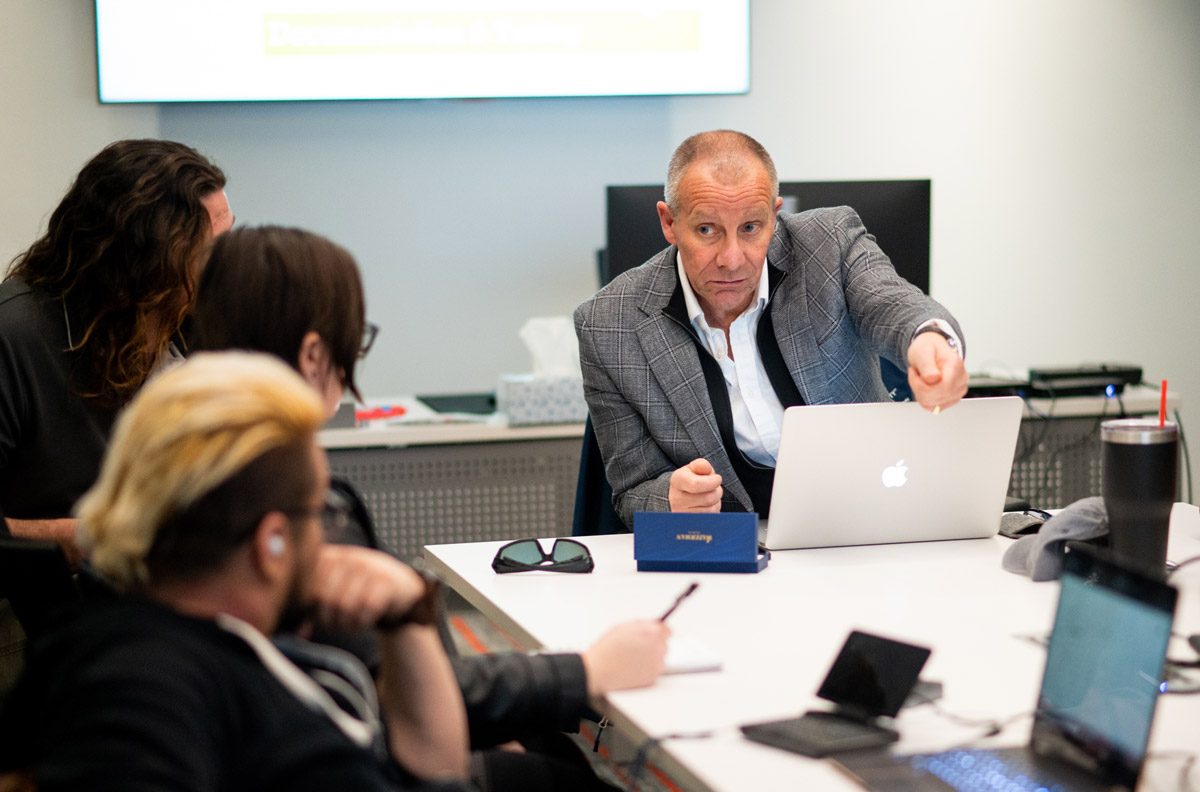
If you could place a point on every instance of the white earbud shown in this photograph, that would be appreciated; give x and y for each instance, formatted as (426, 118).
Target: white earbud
(275, 545)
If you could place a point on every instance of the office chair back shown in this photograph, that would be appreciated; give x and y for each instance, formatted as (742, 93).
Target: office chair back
(594, 512)
(38, 583)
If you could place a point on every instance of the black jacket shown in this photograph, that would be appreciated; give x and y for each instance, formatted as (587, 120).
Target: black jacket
(508, 695)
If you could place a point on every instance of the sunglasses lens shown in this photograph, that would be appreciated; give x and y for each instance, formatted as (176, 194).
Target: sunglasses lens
(526, 552)
(569, 551)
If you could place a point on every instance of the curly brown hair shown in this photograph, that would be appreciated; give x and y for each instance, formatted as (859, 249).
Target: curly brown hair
(121, 251)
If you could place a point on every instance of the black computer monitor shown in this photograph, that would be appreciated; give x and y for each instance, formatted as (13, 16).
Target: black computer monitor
(895, 212)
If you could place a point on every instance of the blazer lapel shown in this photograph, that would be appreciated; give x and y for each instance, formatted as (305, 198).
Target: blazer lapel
(789, 313)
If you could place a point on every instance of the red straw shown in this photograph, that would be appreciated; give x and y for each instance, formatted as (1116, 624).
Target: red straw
(1162, 406)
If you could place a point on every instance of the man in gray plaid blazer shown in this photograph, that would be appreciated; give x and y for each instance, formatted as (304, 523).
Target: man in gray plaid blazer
(690, 359)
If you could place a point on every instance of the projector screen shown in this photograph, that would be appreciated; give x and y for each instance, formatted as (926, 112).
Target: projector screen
(270, 50)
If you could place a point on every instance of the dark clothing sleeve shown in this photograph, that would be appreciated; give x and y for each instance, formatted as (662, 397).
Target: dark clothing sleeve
(511, 695)
(508, 695)
(51, 439)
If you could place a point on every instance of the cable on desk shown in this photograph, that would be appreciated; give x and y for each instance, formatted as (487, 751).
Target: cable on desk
(638, 765)
(1172, 569)
(1025, 453)
(1173, 662)
(991, 726)
(1187, 457)
(1178, 683)
(1055, 453)
(1185, 772)
(1039, 640)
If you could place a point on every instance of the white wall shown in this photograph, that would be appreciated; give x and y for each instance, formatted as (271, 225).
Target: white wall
(50, 121)
(467, 217)
(1063, 140)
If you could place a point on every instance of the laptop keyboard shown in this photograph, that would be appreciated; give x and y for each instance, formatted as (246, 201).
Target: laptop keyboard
(819, 734)
(984, 771)
(816, 729)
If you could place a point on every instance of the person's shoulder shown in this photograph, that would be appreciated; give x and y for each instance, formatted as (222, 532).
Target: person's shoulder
(650, 281)
(13, 287)
(130, 637)
(18, 300)
(24, 311)
(821, 220)
(814, 235)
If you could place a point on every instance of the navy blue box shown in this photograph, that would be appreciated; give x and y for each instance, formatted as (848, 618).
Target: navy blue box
(685, 542)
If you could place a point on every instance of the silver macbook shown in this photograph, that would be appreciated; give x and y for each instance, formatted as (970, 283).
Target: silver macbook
(852, 474)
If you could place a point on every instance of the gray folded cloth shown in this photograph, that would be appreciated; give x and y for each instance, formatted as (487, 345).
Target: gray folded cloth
(1040, 556)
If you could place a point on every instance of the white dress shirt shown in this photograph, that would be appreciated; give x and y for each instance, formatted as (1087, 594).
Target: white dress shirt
(757, 411)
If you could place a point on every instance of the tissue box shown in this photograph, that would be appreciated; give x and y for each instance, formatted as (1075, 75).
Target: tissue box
(531, 399)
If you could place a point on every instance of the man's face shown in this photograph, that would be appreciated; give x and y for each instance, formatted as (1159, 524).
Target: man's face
(219, 212)
(722, 229)
(309, 537)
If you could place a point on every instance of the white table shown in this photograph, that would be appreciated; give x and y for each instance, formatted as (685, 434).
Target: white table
(778, 632)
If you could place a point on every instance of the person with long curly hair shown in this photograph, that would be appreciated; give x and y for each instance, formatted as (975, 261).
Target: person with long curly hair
(89, 312)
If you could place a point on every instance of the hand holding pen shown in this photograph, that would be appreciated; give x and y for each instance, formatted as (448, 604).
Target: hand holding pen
(630, 655)
(687, 592)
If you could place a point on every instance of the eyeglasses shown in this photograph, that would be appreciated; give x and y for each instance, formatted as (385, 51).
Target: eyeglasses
(335, 514)
(526, 555)
(337, 517)
(369, 332)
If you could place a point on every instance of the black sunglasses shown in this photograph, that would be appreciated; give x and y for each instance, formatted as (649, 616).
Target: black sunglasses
(525, 555)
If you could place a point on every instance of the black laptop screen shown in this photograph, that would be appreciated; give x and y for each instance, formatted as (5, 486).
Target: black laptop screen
(1104, 668)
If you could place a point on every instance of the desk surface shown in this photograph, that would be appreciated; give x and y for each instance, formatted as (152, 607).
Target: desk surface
(494, 431)
(778, 632)
(1137, 399)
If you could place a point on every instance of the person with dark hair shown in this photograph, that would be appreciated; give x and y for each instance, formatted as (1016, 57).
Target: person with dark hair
(88, 312)
(299, 296)
(690, 359)
(290, 293)
(207, 517)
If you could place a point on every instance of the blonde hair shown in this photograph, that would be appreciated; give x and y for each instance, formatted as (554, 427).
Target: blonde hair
(188, 432)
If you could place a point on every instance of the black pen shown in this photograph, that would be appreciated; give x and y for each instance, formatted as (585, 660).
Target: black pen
(686, 593)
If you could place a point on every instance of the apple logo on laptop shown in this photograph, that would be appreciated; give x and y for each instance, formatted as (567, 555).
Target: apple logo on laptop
(895, 475)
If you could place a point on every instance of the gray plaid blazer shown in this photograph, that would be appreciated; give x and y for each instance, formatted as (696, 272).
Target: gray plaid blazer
(839, 307)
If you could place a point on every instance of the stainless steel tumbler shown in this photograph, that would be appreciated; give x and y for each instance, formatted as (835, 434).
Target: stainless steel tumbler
(1139, 471)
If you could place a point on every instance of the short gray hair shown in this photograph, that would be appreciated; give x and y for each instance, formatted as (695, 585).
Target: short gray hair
(725, 146)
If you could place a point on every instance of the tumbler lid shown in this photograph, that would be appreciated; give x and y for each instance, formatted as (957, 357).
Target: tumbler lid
(1138, 431)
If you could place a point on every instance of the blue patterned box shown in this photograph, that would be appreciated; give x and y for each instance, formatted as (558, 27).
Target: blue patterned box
(675, 542)
(532, 399)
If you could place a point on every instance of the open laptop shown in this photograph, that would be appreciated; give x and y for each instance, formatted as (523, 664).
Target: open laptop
(852, 474)
(1101, 683)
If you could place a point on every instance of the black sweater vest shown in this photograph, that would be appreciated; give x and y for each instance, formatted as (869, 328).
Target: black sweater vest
(757, 479)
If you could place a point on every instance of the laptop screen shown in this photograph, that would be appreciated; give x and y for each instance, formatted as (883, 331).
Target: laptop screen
(873, 675)
(1103, 667)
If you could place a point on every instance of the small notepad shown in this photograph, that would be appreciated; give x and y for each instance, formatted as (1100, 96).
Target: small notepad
(686, 655)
